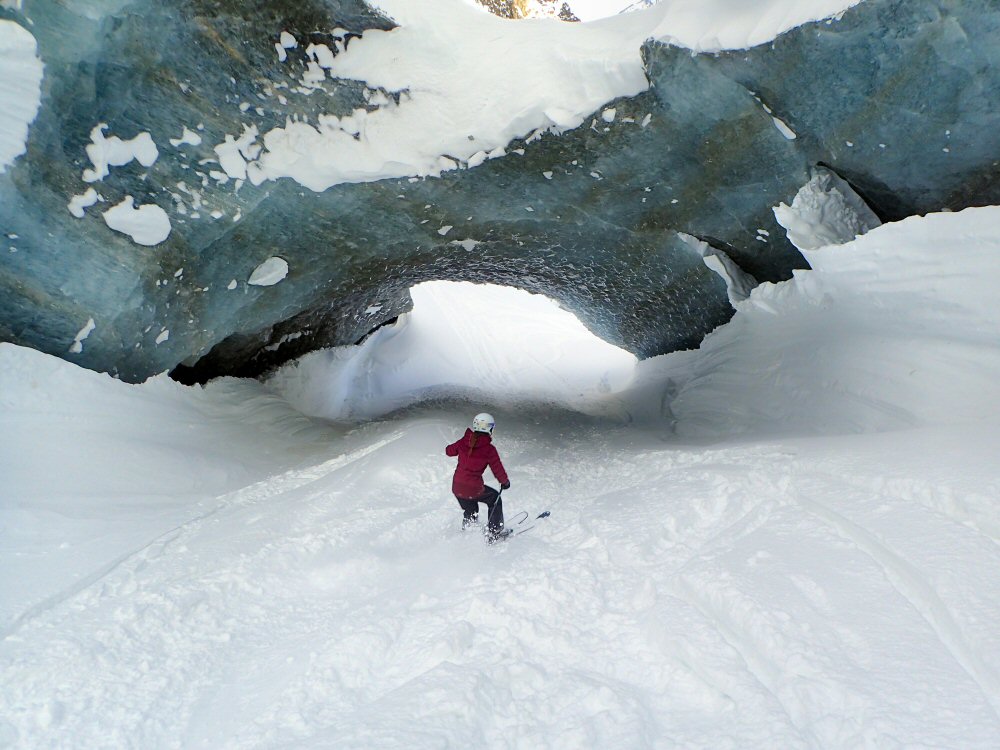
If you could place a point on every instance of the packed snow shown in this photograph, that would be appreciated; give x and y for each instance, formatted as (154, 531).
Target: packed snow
(465, 95)
(788, 538)
(454, 344)
(825, 211)
(20, 89)
(899, 328)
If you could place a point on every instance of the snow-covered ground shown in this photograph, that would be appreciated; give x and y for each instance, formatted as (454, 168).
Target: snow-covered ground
(787, 539)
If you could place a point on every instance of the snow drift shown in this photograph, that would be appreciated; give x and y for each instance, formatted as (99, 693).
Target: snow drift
(93, 467)
(898, 328)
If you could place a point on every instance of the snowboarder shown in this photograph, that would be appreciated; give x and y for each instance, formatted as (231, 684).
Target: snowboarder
(475, 451)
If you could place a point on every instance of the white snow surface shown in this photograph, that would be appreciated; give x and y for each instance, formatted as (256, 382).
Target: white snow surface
(472, 82)
(738, 282)
(105, 153)
(77, 346)
(207, 567)
(898, 328)
(20, 89)
(483, 341)
(715, 25)
(79, 203)
(825, 211)
(188, 138)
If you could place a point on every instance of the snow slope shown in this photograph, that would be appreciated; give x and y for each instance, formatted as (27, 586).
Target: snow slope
(94, 468)
(898, 328)
(473, 82)
(816, 581)
(744, 596)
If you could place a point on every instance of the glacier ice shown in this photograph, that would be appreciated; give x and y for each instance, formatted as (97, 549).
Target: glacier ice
(896, 98)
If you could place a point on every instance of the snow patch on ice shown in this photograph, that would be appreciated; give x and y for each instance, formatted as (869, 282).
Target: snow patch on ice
(20, 89)
(188, 137)
(321, 55)
(739, 283)
(452, 105)
(467, 244)
(270, 272)
(234, 153)
(459, 104)
(77, 346)
(783, 128)
(78, 203)
(105, 153)
(147, 225)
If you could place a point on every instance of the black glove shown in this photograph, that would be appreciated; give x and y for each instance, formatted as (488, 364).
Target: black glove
(505, 486)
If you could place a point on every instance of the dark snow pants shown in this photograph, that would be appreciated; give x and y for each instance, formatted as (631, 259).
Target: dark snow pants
(491, 498)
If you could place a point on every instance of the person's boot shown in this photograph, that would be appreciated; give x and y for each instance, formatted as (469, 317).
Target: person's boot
(469, 521)
(496, 534)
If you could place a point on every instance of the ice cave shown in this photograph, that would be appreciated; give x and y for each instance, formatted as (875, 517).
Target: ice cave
(708, 288)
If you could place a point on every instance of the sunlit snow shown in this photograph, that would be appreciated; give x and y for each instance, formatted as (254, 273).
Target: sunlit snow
(501, 345)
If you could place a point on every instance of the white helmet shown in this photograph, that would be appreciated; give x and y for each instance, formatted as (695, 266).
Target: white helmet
(483, 423)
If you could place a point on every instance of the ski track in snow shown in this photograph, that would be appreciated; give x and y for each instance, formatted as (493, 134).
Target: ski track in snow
(343, 607)
(912, 585)
(256, 492)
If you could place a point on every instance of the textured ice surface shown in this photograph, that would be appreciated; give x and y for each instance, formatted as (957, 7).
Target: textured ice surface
(899, 97)
(896, 97)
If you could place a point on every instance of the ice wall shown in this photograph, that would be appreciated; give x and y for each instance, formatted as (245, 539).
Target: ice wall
(893, 96)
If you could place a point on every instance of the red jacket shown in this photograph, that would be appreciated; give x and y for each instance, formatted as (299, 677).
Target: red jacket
(472, 462)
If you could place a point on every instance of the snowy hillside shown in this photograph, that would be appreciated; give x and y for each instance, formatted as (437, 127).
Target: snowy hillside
(829, 585)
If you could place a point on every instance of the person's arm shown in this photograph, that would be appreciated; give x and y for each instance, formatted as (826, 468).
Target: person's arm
(452, 450)
(496, 466)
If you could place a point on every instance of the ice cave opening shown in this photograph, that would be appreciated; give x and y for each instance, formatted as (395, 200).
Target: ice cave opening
(494, 345)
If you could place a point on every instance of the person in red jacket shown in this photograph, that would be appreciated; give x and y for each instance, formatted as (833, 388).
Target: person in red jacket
(475, 451)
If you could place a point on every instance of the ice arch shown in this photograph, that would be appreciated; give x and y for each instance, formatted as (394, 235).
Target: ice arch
(494, 345)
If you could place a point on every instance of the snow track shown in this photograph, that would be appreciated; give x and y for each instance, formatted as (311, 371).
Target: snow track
(913, 586)
(678, 597)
